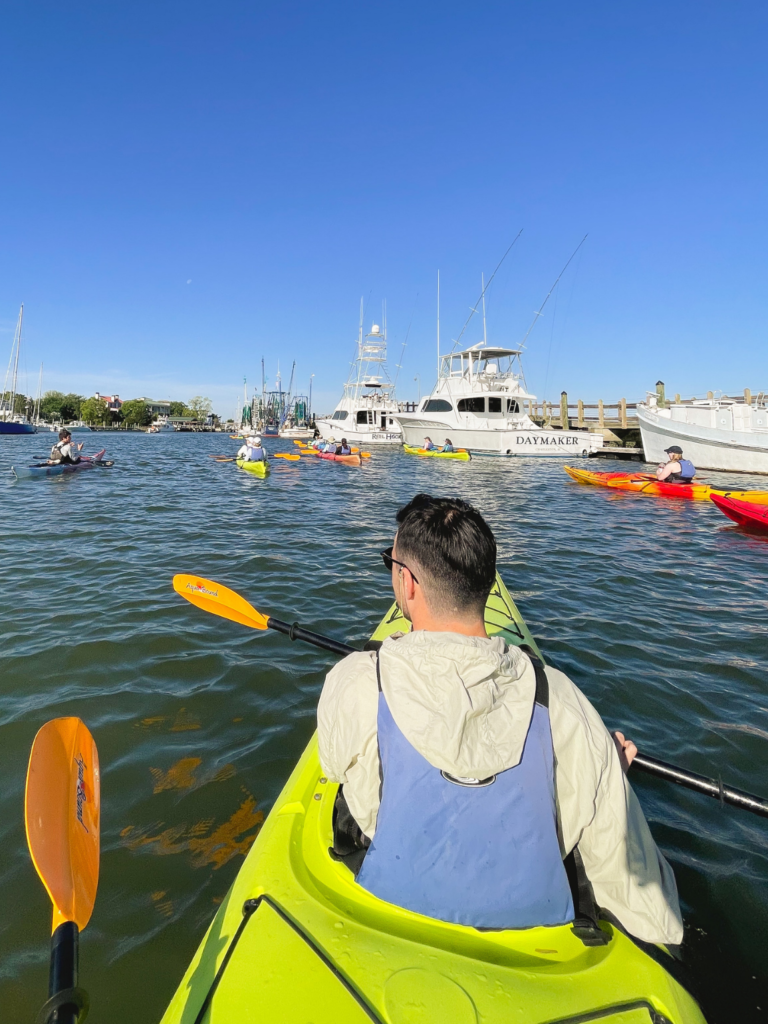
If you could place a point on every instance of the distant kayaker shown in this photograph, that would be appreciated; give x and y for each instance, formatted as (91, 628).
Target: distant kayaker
(429, 445)
(343, 448)
(64, 450)
(483, 780)
(678, 470)
(448, 446)
(252, 450)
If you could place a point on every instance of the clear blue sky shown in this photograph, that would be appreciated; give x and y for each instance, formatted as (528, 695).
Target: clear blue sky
(187, 187)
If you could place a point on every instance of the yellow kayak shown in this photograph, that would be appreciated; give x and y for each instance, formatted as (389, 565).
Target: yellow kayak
(260, 468)
(298, 941)
(461, 453)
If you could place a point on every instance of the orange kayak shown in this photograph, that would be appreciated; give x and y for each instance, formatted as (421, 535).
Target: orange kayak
(351, 460)
(648, 484)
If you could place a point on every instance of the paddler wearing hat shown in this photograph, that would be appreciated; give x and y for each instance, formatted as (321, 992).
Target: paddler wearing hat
(678, 470)
(252, 450)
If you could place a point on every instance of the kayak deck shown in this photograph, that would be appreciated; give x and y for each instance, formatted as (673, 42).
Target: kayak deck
(462, 455)
(315, 946)
(648, 484)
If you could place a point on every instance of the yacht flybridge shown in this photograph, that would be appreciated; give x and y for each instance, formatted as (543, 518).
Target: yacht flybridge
(367, 410)
(479, 403)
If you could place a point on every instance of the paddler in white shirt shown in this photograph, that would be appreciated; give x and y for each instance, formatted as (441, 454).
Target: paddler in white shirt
(252, 450)
(65, 450)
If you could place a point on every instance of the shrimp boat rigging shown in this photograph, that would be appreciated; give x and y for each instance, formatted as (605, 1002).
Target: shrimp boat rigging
(367, 409)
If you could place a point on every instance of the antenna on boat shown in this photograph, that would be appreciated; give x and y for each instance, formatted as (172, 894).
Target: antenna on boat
(485, 289)
(485, 333)
(438, 323)
(541, 307)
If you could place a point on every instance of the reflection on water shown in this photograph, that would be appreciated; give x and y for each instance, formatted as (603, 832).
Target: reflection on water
(657, 609)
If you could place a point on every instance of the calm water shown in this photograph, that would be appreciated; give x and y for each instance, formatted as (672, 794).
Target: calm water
(657, 609)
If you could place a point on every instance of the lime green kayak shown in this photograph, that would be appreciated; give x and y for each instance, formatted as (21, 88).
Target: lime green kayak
(462, 455)
(297, 940)
(257, 468)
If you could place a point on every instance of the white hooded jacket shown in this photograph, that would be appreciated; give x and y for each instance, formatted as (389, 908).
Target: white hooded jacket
(465, 703)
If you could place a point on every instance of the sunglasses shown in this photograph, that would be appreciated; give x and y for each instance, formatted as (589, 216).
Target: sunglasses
(389, 561)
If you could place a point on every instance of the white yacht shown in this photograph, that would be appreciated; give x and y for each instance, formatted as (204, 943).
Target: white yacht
(478, 403)
(714, 433)
(162, 425)
(367, 410)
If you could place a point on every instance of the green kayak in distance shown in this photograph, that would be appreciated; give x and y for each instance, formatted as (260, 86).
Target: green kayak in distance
(298, 941)
(260, 468)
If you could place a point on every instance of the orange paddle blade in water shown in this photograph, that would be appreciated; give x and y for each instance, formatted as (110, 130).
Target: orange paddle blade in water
(219, 600)
(62, 811)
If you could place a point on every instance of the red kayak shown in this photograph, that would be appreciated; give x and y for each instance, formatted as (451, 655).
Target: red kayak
(745, 513)
(351, 460)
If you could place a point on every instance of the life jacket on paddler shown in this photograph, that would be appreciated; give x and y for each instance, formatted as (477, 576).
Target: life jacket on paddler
(686, 474)
(477, 852)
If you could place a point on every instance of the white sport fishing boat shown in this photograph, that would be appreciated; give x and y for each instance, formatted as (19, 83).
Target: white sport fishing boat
(367, 410)
(714, 433)
(478, 403)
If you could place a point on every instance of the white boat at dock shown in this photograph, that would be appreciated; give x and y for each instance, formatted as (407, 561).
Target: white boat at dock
(479, 403)
(368, 408)
(714, 433)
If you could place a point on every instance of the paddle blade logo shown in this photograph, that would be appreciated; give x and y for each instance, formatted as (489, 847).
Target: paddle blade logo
(80, 796)
(198, 588)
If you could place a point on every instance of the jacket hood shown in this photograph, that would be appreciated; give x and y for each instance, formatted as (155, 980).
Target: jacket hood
(465, 703)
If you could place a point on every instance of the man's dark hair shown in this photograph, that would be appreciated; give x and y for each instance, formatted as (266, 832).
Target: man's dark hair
(64, 433)
(453, 548)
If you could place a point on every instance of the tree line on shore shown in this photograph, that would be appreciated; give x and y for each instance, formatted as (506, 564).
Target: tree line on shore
(56, 407)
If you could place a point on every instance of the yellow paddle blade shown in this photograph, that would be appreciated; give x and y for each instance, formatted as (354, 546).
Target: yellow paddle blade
(62, 809)
(218, 600)
(287, 455)
(301, 444)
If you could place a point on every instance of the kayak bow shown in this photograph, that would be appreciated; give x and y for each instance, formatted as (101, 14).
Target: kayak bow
(297, 939)
(745, 513)
(259, 468)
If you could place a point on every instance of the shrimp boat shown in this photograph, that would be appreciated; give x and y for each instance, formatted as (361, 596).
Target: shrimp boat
(479, 403)
(367, 409)
(12, 422)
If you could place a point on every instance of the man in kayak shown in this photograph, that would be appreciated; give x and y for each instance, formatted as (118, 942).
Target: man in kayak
(479, 787)
(343, 448)
(678, 470)
(64, 450)
(252, 450)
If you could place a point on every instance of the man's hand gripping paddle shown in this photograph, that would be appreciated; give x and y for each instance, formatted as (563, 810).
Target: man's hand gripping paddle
(62, 809)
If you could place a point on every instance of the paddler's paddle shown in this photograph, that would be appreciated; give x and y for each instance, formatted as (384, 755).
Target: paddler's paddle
(62, 809)
(219, 600)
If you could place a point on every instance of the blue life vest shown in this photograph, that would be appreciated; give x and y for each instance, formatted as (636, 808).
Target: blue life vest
(686, 474)
(255, 454)
(448, 448)
(430, 447)
(483, 853)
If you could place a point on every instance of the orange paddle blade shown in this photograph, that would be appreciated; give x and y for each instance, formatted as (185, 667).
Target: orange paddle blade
(219, 600)
(62, 811)
(301, 444)
(287, 455)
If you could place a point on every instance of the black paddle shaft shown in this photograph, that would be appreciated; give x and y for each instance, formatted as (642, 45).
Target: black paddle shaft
(296, 632)
(701, 784)
(643, 763)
